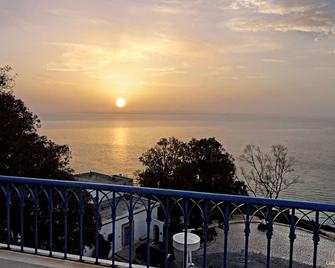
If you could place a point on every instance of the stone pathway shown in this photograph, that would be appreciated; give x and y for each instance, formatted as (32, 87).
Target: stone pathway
(302, 255)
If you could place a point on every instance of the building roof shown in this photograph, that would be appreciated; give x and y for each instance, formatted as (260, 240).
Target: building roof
(105, 197)
(122, 204)
(103, 178)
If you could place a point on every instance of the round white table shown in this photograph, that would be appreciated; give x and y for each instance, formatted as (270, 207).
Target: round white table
(193, 243)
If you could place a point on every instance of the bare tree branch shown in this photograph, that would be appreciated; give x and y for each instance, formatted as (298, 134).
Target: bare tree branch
(267, 174)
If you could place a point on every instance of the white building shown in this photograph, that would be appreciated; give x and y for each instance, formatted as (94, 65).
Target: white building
(122, 226)
(122, 203)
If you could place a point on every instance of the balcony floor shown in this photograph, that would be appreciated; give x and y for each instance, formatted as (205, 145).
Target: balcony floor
(13, 259)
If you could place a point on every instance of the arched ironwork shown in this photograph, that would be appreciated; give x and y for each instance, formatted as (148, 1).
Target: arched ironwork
(176, 211)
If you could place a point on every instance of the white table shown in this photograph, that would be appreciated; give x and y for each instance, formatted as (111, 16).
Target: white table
(193, 244)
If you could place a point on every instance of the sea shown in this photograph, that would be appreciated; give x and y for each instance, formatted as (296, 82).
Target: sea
(112, 143)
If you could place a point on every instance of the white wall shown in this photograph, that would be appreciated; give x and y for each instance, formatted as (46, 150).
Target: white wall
(160, 225)
(139, 227)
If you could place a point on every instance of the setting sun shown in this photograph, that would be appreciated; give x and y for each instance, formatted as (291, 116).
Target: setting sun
(231, 100)
(120, 102)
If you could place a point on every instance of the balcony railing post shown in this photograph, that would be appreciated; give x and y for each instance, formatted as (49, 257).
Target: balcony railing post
(148, 220)
(205, 232)
(50, 216)
(185, 212)
(97, 223)
(22, 195)
(65, 216)
(269, 233)
(81, 220)
(316, 238)
(36, 210)
(131, 219)
(8, 222)
(113, 228)
(225, 231)
(247, 234)
(166, 231)
(292, 236)
(29, 191)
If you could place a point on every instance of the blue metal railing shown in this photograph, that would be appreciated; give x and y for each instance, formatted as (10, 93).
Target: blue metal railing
(58, 210)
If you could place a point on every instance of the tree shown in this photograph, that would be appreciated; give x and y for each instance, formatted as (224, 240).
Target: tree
(267, 174)
(6, 78)
(23, 152)
(198, 165)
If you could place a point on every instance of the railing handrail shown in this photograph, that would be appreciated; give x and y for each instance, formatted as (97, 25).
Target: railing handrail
(169, 192)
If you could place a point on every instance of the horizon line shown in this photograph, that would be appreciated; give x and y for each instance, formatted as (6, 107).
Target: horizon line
(156, 113)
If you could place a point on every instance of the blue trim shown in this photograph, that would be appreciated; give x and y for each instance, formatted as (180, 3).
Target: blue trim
(175, 193)
(206, 202)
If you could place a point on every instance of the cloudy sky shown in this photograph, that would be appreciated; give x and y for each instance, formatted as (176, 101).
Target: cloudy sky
(218, 56)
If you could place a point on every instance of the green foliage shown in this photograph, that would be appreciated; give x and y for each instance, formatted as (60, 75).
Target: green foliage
(23, 152)
(198, 165)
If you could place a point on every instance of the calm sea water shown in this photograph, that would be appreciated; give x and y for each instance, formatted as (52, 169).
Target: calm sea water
(112, 144)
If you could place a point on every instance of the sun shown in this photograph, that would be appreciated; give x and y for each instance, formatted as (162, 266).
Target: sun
(121, 102)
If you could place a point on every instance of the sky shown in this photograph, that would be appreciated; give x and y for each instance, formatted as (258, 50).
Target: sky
(201, 56)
